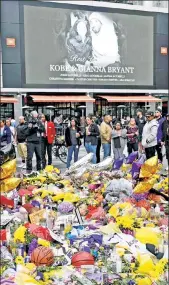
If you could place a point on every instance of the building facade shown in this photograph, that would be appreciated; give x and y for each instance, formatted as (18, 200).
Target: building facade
(52, 55)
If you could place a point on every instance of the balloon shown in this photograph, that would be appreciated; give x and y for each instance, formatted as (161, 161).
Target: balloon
(132, 156)
(149, 167)
(118, 163)
(81, 162)
(106, 164)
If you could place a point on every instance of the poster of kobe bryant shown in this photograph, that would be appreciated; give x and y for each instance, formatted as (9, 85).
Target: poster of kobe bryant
(80, 47)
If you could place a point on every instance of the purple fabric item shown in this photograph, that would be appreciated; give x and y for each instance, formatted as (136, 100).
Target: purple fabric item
(135, 171)
(132, 157)
(118, 163)
(160, 129)
(141, 159)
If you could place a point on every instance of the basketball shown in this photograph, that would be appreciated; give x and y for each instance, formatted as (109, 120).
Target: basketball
(42, 256)
(82, 258)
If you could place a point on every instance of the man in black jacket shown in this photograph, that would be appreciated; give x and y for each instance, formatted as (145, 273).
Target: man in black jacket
(34, 130)
(21, 133)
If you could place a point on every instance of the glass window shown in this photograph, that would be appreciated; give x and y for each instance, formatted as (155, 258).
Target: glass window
(160, 4)
(7, 110)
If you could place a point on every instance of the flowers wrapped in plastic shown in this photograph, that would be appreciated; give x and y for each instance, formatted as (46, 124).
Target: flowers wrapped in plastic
(149, 167)
(8, 168)
(9, 184)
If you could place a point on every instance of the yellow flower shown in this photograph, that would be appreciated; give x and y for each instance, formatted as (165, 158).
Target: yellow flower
(49, 168)
(57, 170)
(46, 193)
(69, 197)
(42, 179)
(126, 222)
(19, 260)
(113, 211)
(143, 281)
(19, 234)
(43, 242)
(58, 197)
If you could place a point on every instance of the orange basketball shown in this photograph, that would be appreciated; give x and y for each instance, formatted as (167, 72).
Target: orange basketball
(42, 256)
(82, 258)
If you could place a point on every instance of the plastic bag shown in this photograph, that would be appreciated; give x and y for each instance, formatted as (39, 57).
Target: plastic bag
(7, 153)
(9, 184)
(8, 168)
(125, 151)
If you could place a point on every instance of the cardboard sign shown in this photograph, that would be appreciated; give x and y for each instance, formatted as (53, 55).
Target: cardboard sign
(37, 216)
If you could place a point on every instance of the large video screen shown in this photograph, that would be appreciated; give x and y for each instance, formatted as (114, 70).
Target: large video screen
(80, 47)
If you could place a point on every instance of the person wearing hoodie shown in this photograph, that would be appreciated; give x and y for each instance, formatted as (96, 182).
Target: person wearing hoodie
(149, 136)
(160, 121)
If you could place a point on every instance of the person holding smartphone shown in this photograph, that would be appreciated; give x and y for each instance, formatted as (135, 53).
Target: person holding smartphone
(73, 142)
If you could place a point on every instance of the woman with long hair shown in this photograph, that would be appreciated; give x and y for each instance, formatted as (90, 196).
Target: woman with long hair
(132, 136)
(119, 140)
(73, 142)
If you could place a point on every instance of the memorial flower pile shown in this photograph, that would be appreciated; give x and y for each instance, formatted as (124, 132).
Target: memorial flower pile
(105, 224)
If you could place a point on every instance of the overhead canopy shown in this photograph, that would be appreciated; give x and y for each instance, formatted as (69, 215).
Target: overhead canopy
(132, 99)
(61, 99)
(7, 99)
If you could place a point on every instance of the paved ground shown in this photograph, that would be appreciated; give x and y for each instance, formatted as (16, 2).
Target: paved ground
(59, 164)
(56, 161)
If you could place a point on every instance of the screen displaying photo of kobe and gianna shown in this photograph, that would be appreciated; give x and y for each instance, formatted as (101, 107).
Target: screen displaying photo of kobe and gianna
(81, 47)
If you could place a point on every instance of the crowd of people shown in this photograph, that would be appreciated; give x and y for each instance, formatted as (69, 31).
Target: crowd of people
(36, 134)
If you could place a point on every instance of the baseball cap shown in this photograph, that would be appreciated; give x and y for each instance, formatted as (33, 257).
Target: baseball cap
(158, 110)
(139, 110)
(150, 114)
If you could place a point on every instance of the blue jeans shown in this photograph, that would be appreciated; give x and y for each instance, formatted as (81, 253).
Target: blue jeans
(106, 149)
(72, 149)
(91, 149)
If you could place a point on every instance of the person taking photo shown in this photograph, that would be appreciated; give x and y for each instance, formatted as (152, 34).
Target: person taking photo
(34, 131)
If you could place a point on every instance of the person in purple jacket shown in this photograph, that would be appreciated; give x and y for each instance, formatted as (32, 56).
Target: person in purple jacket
(160, 121)
(5, 134)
